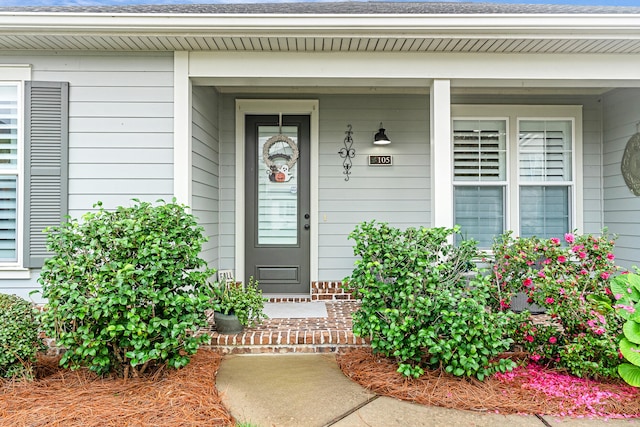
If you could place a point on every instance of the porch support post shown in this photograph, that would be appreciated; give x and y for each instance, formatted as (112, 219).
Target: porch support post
(182, 153)
(441, 154)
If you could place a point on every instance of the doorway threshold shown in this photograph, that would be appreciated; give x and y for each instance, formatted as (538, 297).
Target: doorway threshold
(287, 297)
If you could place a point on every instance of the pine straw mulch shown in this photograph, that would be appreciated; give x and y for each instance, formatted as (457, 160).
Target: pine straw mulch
(185, 397)
(527, 390)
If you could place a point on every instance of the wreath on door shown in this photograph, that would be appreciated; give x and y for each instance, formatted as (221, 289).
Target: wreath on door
(272, 150)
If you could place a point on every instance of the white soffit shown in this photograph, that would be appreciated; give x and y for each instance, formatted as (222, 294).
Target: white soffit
(484, 33)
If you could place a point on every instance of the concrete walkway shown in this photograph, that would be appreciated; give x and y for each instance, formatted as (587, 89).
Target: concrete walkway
(311, 391)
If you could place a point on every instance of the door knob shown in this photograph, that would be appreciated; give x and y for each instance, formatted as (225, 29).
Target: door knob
(307, 216)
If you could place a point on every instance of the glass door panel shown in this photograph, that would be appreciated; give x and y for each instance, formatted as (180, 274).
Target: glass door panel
(277, 185)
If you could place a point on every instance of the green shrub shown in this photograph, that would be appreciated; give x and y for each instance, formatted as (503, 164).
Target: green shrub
(19, 342)
(424, 304)
(569, 277)
(126, 289)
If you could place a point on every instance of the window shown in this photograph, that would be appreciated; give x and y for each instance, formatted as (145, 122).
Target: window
(9, 172)
(545, 171)
(515, 169)
(480, 177)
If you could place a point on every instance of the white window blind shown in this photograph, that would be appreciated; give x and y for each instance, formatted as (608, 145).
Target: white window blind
(545, 150)
(544, 211)
(8, 172)
(479, 210)
(8, 215)
(8, 127)
(479, 150)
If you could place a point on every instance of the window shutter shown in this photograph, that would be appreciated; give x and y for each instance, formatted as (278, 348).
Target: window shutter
(477, 155)
(545, 152)
(46, 160)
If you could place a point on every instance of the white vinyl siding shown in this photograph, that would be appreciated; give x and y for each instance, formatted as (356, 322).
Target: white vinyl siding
(206, 169)
(533, 191)
(10, 121)
(621, 110)
(120, 124)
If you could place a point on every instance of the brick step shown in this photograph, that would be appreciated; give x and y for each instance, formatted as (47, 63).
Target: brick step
(299, 335)
(327, 291)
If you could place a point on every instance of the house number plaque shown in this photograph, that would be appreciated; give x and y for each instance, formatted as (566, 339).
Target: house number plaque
(376, 160)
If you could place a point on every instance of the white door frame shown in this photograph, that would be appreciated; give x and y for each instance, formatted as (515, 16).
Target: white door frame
(275, 106)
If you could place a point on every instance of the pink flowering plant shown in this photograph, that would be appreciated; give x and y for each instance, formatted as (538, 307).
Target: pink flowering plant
(569, 277)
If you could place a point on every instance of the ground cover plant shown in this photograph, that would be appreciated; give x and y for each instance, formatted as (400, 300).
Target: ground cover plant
(424, 304)
(19, 340)
(127, 288)
(569, 277)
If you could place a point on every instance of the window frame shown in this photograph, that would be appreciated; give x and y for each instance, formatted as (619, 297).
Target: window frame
(514, 114)
(16, 75)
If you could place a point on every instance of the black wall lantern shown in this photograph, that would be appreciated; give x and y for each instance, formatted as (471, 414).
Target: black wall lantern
(381, 138)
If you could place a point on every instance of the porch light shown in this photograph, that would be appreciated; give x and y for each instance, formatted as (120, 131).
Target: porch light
(381, 138)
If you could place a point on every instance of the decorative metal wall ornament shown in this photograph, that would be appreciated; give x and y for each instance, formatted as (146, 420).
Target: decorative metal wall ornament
(280, 173)
(347, 153)
(630, 165)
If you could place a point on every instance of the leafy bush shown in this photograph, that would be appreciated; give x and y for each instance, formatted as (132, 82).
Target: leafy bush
(19, 342)
(126, 288)
(419, 306)
(569, 278)
(247, 302)
(626, 292)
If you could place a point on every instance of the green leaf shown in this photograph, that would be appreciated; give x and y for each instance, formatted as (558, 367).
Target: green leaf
(630, 373)
(631, 331)
(630, 351)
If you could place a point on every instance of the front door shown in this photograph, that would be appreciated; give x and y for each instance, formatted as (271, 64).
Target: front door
(277, 202)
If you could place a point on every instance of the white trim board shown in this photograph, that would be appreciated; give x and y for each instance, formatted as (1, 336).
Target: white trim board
(275, 106)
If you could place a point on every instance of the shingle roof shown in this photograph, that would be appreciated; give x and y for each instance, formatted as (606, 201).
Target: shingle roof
(348, 7)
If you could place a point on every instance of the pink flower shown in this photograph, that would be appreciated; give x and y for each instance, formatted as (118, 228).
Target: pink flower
(611, 257)
(604, 275)
(599, 331)
(617, 296)
(561, 291)
(527, 282)
(530, 262)
(577, 248)
(546, 261)
(569, 238)
(541, 273)
(504, 304)
(555, 240)
(553, 340)
(535, 357)
(528, 338)
(628, 308)
(583, 271)
(582, 254)
(549, 300)
(595, 247)
(562, 258)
